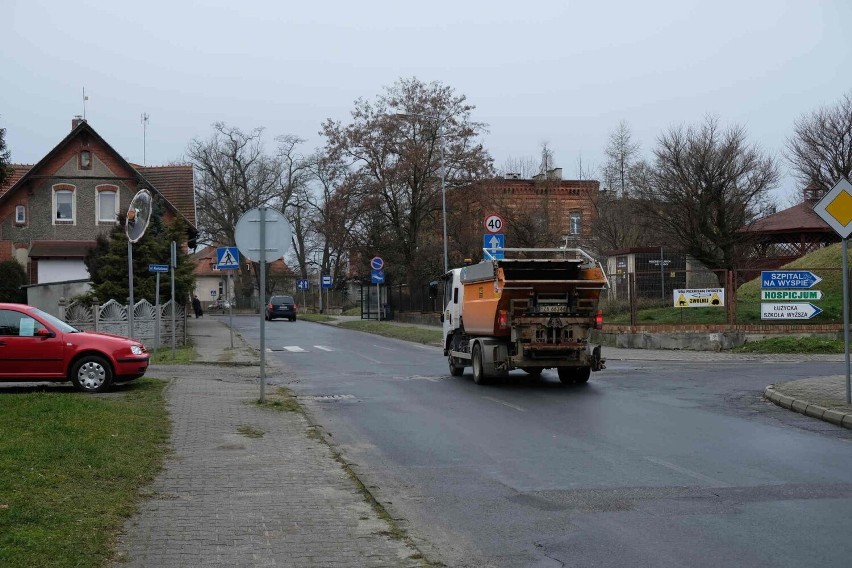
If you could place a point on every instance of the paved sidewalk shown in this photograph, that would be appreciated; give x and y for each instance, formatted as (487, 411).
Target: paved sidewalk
(248, 486)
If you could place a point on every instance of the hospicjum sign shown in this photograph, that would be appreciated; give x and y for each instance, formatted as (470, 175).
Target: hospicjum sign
(791, 294)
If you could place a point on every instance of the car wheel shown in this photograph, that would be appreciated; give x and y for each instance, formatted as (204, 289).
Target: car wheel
(92, 374)
(476, 362)
(533, 371)
(455, 370)
(293, 318)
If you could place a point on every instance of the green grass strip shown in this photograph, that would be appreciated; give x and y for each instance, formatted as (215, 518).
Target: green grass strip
(72, 465)
(399, 331)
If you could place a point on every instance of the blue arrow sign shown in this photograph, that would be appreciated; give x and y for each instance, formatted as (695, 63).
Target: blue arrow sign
(788, 279)
(494, 244)
(377, 276)
(158, 268)
(302, 284)
(227, 258)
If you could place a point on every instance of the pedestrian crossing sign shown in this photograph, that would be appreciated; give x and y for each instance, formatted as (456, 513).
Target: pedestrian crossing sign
(227, 258)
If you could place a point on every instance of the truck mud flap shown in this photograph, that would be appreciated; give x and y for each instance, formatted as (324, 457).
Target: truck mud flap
(598, 363)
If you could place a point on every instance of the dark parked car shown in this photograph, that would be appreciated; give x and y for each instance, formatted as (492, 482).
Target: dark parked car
(36, 346)
(281, 307)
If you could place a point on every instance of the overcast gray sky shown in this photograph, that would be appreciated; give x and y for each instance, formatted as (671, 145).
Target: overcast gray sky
(538, 71)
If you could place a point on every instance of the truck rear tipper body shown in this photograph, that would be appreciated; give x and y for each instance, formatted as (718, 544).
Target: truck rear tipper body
(533, 311)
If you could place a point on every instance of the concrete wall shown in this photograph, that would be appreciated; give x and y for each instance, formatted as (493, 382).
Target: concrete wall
(46, 296)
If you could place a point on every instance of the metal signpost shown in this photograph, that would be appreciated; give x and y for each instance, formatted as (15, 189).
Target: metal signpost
(325, 284)
(835, 208)
(377, 275)
(173, 266)
(263, 234)
(228, 258)
(136, 221)
(157, 269)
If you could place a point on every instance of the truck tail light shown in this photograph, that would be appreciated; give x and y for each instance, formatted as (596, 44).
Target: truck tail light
(599, 319)
(503, 319)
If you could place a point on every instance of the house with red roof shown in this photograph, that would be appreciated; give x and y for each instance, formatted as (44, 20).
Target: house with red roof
(52, 212)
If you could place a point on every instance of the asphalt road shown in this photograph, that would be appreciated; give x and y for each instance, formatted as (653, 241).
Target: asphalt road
(650, 464)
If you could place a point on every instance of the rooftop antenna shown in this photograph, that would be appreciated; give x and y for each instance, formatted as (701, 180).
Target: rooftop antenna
(144, 132)
(85, 98)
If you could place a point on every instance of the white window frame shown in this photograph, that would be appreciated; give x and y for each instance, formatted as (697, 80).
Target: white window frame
(54, 205)
(99, 215)
(20, 214)
(572, 216)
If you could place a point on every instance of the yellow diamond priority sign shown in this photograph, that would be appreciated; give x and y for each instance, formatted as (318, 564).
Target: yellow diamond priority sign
(835, 208)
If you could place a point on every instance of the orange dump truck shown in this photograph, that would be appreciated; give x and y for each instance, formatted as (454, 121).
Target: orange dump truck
(533, 311)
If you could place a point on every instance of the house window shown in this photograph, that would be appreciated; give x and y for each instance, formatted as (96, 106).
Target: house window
(85, 160)
(63, 205)
(20, 215)
(574, 222)
(107, 205)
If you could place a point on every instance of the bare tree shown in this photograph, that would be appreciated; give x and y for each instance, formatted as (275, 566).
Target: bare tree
(820, 149)
(525, 167)
(395, 145)
(704, 185)
(621, 153)
(235, 174)
(5, 157)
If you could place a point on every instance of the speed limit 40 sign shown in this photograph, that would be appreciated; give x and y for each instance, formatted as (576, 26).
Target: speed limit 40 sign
(494, 223)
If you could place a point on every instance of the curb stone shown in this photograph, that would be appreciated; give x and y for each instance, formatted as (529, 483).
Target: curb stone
(802, 407)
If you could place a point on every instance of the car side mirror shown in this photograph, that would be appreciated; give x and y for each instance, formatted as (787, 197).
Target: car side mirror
(44, 333)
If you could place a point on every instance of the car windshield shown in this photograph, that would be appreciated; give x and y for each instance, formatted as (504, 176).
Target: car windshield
(276, 300)
(55, 321)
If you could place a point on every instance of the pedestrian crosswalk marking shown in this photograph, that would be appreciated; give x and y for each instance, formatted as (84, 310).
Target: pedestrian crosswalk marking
(323, 348)
(294, 349)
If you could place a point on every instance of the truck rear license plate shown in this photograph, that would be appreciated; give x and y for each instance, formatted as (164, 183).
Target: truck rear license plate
(552, 308)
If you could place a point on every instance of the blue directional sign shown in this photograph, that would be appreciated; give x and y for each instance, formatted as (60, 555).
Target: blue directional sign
(303, 284)
(326, 281)
(227, 258)
(494, 244)
(158, 268)
(376, 263)
(377, 276)
(796, 279)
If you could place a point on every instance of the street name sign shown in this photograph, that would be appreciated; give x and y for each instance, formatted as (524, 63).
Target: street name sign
(227, 258)
(799, 279)
(158, 268)
(791, 294)
(795, 310)
(699, 297)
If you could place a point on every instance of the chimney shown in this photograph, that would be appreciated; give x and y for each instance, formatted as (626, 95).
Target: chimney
(76, 121)
(555, 173)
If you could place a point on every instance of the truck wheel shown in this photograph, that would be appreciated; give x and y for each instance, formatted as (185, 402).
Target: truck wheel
(582, 374)
(533, 371)
(455, 370)
(476, 360)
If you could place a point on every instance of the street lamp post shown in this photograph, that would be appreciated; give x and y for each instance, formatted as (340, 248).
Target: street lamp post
(440, 135)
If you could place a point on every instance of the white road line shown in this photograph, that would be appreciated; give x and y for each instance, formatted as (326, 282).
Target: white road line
(504, 403)
(293, 349)
(370, 359)
(688, 472)
(323, 348)
(384, 347)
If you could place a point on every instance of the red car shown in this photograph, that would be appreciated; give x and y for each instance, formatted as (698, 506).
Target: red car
(36, 346)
